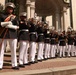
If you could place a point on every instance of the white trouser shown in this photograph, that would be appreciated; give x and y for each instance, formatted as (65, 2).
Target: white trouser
(66, 48)
(71, 50)
(32, 51)
(62, 51)
(53, 50)
(47, 50)
(13, 45)
(23, 52)
(40, 50)
(75, 50)
(57, 48)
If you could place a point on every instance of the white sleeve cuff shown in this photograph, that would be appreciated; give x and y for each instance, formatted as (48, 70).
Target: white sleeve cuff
(3, 24)
(12, 27)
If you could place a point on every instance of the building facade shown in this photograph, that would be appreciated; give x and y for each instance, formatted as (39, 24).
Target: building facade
(54, 12)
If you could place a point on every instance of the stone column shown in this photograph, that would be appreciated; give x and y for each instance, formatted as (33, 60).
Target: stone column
(54, 20)
(62, 22)
(22, 6)
(63, 12)
(2, 3)
(28, 3)
(66, 18)
(58, 19)
(33, 9)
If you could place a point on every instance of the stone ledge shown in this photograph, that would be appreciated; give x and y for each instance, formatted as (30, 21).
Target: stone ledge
(69, 70)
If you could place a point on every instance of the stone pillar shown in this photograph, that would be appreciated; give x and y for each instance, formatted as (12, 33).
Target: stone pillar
(33, 9)
(62, 22)
(54, 20)
(63, 12)
(28, 3)
(22, 6)
(58, 20)
(49, 19)
(2, 2)
(66, 18)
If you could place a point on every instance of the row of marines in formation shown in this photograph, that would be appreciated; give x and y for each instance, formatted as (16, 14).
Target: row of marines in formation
(37, 41)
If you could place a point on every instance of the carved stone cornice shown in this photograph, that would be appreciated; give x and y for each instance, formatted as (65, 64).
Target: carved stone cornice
(28, 2)
(32, 6)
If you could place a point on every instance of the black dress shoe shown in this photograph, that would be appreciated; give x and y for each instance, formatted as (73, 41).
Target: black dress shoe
(0, 68)
(49, 58)
(45, 59)
(15, 68)
(32, 62)
(39, 60)
(27, 64)
(22, 66)
(35, 61)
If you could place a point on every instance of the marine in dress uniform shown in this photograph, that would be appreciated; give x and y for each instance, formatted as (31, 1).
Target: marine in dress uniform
(47, 43)
(33, 38)
(9, 22)
(40, 40)
(62, 44)
(23, 40)
(75, 44)
(53, 42)
(70, 43)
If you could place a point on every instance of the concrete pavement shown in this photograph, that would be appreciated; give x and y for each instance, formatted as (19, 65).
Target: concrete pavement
(57, 66)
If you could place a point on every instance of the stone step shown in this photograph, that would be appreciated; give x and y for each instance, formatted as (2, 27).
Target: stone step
(70, 70)
(8, 54)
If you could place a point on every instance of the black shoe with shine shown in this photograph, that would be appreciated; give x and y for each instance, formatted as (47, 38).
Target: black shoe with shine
(32, 62)
(15, 68)
(21, 66)
(45, 59)
(35, 61)
(39, 60)
(0, 68)
(27, 64)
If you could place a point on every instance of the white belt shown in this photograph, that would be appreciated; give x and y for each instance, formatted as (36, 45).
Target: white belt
(24, 30)
(47, 38)
(41, 34)
(53, 38)
(33, 33)
(61, 40)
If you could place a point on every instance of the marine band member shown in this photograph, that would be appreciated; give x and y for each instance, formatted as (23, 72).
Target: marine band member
(53, 42)
(47, 42)
(33, 38)
(70, 43)
(10, 23)
(40, 40)
(62, 44)
(23, 39)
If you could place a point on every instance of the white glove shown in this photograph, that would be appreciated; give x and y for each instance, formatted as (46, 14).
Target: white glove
(12, 27)
(4, 24)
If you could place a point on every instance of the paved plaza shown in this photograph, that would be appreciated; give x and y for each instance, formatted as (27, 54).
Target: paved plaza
(57, 66)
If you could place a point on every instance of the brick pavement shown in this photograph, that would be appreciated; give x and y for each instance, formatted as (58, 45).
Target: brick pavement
(50, 63)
